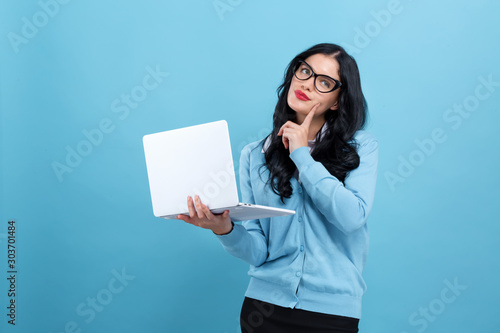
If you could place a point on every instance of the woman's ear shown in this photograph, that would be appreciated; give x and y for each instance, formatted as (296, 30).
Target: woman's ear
(335, 106)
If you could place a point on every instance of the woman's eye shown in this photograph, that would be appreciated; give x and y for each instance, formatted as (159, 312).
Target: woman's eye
(326, 83)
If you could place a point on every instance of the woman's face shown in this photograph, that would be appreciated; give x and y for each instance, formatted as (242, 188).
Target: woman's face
(302, 95)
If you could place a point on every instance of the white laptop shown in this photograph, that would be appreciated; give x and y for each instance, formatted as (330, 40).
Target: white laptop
(197, 160)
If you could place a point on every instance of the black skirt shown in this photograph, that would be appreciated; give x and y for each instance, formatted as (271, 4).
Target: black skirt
(261, 317)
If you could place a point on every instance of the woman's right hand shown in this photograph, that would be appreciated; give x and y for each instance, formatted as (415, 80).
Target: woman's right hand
(201, 216)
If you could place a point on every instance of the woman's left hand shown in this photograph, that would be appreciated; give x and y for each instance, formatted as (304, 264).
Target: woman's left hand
(294, 135)
(201, 216)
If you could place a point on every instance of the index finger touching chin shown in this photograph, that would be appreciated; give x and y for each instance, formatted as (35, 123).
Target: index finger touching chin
(307, 121)
(314, 108)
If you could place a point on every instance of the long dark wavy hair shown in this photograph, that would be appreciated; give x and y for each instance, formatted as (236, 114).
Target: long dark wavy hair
(334, 147)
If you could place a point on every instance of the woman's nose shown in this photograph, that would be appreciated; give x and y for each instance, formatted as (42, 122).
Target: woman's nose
(308, 84)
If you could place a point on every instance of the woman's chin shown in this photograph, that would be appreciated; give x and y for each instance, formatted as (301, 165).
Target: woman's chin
(300, 108)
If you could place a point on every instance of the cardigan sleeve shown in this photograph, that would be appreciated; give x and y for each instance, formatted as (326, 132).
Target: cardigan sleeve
(347, 207)
(246, 241)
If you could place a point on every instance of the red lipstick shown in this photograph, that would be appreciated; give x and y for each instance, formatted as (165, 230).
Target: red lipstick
(300, 95)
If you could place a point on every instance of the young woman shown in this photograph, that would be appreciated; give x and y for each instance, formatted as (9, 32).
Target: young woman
(306, 269)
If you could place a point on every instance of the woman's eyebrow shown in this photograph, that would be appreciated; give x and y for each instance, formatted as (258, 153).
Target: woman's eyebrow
(317, 72)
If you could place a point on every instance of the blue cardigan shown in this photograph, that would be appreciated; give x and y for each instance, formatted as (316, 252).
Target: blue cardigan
(312, 260)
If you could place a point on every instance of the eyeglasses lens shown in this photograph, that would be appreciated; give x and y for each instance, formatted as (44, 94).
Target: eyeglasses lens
(322, 83)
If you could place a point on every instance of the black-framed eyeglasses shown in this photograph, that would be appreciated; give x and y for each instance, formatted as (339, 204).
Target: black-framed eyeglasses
(323, 83)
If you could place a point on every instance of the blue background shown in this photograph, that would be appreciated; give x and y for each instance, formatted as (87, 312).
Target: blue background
(434, 223)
